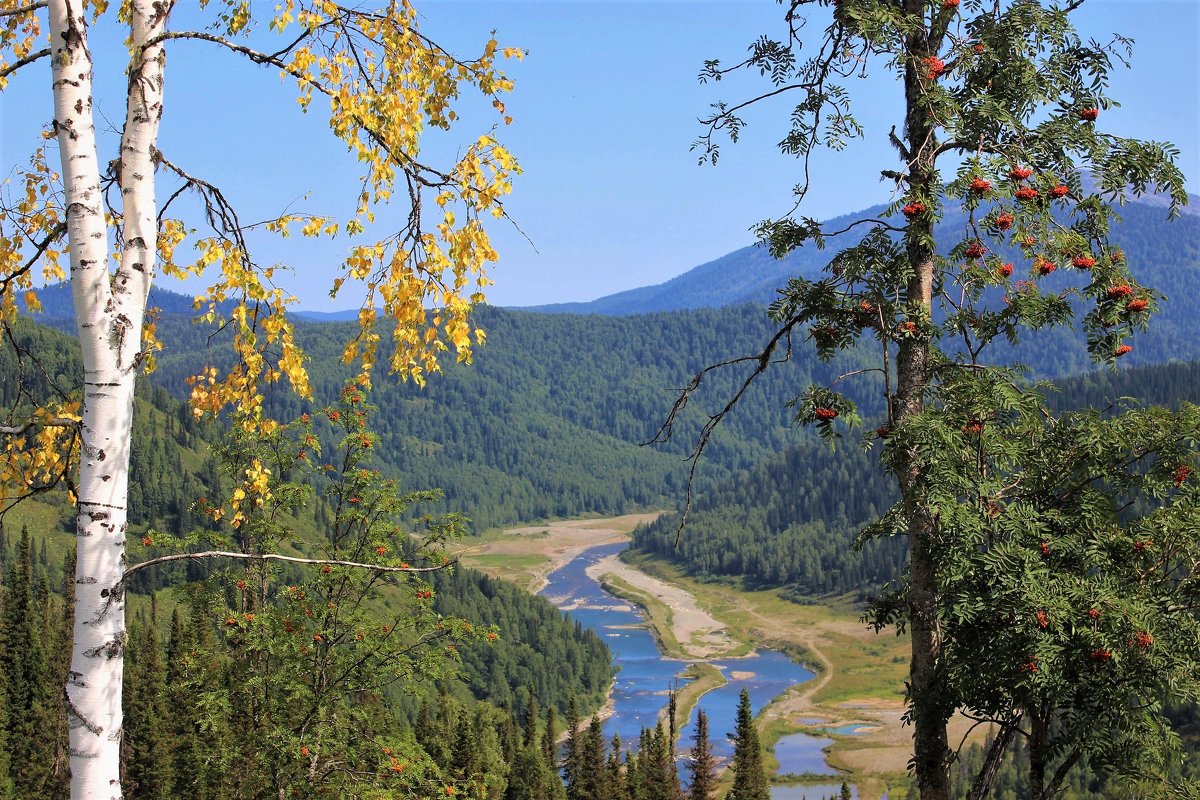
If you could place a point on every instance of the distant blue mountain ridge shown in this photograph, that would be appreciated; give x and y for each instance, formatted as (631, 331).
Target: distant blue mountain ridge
(751, 275)
(58, 307)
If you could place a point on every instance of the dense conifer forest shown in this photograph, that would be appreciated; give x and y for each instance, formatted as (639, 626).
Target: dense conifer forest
(183, 654)
(194, 727)
(792, 521)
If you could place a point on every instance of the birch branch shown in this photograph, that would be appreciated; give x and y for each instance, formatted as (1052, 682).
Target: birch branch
(279, 557)
(53, 422)
(12, 12)
(21, 62)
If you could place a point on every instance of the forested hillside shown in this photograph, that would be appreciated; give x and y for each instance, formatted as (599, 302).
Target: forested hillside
(792, 520)
(548, 420)
(173, 466)
(194, 707)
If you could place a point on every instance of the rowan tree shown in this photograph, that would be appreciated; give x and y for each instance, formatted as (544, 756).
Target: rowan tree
(1002, 128)
(110, 222)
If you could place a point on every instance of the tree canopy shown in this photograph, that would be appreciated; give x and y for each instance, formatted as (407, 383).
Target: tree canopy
(1001, 127)
(117, 220)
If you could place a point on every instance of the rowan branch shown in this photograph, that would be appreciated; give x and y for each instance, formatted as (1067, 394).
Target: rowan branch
(879, 222)
(812, 77)
(851, 374)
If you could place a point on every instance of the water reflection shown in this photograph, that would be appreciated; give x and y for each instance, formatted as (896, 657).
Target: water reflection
(803, 755)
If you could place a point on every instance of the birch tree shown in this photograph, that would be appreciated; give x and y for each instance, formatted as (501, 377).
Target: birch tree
(110, 222)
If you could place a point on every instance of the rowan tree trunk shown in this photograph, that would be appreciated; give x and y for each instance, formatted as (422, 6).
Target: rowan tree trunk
(930, 709)
(1038, 734)
(109, 310)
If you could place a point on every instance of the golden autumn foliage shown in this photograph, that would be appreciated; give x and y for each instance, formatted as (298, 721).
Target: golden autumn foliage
(382, 83)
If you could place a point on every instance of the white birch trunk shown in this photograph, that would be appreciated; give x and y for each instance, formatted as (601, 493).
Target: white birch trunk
(109, 310)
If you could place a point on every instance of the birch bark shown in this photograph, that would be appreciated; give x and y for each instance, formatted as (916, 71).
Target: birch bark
(109, 310)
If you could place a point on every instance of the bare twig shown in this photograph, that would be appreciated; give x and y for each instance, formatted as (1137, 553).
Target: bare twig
(762, 361)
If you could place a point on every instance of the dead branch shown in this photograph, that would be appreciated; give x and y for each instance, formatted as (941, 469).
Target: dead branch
(762, 360)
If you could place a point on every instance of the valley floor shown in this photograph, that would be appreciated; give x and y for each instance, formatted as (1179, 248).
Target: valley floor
(860, 674)
(526, 555)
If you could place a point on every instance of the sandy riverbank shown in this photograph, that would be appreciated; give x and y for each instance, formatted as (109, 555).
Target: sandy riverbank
(860, 674)
(860, 677)
(527, 555)
(698, 635)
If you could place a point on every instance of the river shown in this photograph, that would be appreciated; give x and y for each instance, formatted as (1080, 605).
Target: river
(645, 675)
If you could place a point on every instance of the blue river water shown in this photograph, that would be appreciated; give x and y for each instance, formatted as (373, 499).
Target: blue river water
(645, 676)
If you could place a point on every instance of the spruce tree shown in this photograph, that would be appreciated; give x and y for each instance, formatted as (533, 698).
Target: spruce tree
(702, 764)
(672, 707)
(673, 732)
(531, 719)
(424, 728)
(148, 765)
(179, 725)
(573, 758)
(550, 738)
(511, 737)
(530, 777)
(464, 760)
(60, 668)
(616, 785)
(25, 668)
(6, 783)
(656, 774)
(634, 770)
(749, 778)
(590, 779)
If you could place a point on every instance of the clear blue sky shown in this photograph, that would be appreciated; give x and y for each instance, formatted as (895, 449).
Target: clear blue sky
(605, 109)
